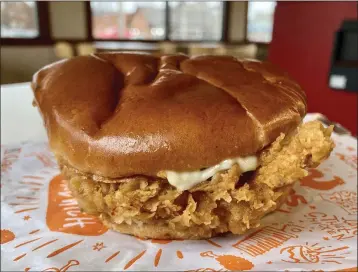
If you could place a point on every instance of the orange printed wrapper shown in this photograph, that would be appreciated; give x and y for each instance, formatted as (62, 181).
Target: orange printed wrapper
(42, 228)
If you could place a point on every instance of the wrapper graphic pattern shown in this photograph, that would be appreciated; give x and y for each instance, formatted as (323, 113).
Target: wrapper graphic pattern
(42, 228)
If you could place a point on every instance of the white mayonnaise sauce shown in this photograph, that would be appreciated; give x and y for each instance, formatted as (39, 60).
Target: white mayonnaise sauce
(187, 180)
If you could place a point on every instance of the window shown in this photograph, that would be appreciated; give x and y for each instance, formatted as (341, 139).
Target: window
(128, 20)
(196, 20)
(157, 20)
(24, 23)
(19, 20)
(260, 21)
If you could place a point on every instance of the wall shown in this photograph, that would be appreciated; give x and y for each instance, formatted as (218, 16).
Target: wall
(19, 63)
(302, 45)
(68, 20)
(237, 21)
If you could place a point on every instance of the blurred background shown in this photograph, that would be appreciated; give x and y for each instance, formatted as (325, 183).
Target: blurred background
(299, 37)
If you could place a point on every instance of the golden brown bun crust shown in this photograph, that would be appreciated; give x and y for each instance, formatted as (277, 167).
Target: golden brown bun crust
(119, 114)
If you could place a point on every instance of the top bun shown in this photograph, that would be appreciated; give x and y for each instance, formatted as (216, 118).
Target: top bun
(122, 114)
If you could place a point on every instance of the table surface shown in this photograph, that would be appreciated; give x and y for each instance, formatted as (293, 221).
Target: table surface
(20, 121)
(130, 46)
(143, 46)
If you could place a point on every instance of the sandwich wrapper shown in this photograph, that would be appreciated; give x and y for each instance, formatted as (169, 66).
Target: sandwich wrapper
(42, 228)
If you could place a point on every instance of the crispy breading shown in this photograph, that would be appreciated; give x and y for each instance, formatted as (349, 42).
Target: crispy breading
(150, 207)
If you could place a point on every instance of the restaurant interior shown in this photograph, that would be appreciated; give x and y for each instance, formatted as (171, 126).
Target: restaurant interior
(302, 38)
